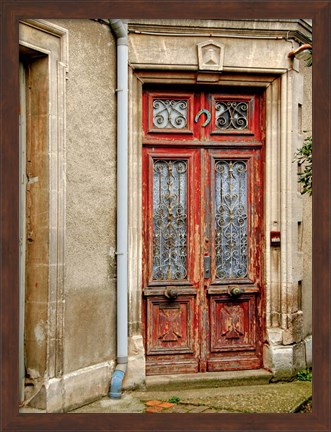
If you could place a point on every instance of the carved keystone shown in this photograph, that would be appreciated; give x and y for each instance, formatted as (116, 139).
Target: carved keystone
(210, 55)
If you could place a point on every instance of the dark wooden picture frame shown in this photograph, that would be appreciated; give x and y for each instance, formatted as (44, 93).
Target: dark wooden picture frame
(12, 12)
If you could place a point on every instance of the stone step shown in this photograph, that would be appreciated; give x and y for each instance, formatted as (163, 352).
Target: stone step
(208, 379)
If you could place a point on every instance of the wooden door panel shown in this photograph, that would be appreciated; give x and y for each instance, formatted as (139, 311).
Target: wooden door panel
(171, 270)
(170, 326)
(234, 361)
(171, 205)
(171, 365)
(234, 118)
(232, 323)
(234, 216)
(203, 231)
(232, 115)
(169, 116)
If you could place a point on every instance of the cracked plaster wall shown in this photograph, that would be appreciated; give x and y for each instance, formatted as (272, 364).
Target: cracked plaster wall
(90, 287)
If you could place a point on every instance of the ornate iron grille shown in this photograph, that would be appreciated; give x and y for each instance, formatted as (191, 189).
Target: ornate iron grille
(231, 219)
(231, 115)
(169, 114)
(169, 219)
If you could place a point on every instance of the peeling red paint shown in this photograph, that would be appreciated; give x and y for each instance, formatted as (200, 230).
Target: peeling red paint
(204, 328)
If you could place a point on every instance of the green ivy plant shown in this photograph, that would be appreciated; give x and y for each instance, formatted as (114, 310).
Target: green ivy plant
(174, 399)
(309, 58)
(305, 375)
(304, 157)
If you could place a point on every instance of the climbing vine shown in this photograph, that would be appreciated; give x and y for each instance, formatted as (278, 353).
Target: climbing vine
(304, 157)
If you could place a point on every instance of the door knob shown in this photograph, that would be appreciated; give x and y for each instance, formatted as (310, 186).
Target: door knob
(170, 293)
(235, 291)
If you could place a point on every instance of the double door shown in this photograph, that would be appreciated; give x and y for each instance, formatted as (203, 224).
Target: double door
(202, 231)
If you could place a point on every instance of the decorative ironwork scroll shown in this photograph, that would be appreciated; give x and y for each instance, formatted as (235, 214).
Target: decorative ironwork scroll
(169, 220)
(169, 113)
(231, 219)
(231, 115)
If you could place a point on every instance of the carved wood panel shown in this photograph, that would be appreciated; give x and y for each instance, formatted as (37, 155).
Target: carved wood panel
(233, 323)
(170, 326)
(167, 114)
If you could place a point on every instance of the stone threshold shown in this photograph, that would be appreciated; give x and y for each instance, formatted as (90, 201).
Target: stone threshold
(208, 379)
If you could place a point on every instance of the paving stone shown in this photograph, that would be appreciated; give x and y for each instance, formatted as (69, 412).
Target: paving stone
(171, 410)
(188, 407)
(268, 398)
(154, 409)
(198, 409)
(179, 409)
(166, 404)
(153, 402)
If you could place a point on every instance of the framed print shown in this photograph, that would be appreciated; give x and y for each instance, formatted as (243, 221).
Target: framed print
(152, 219)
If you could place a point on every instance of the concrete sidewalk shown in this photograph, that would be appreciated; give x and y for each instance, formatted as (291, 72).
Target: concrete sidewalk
(243, 394)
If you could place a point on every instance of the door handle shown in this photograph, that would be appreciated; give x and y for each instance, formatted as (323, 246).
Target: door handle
(171, 293)
(235, 291)
(206, 266)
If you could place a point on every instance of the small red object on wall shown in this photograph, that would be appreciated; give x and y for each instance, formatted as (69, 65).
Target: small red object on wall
(275, 238)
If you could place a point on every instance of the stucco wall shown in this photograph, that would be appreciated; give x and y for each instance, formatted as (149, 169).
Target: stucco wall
(89, 287)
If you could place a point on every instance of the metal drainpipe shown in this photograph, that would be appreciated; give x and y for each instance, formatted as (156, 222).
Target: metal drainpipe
(120, 28)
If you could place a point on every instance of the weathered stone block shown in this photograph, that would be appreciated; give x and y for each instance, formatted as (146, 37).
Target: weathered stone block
(309, 350)
(275, 336)
(86, 385)
(280, 361)
(55, 402)
(294, 332)
(299, 356)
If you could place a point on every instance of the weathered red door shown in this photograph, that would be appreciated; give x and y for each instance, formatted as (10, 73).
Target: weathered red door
(202, 230)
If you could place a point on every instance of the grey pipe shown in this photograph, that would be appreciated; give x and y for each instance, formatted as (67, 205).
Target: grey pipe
(120, 28)
(206, 35)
